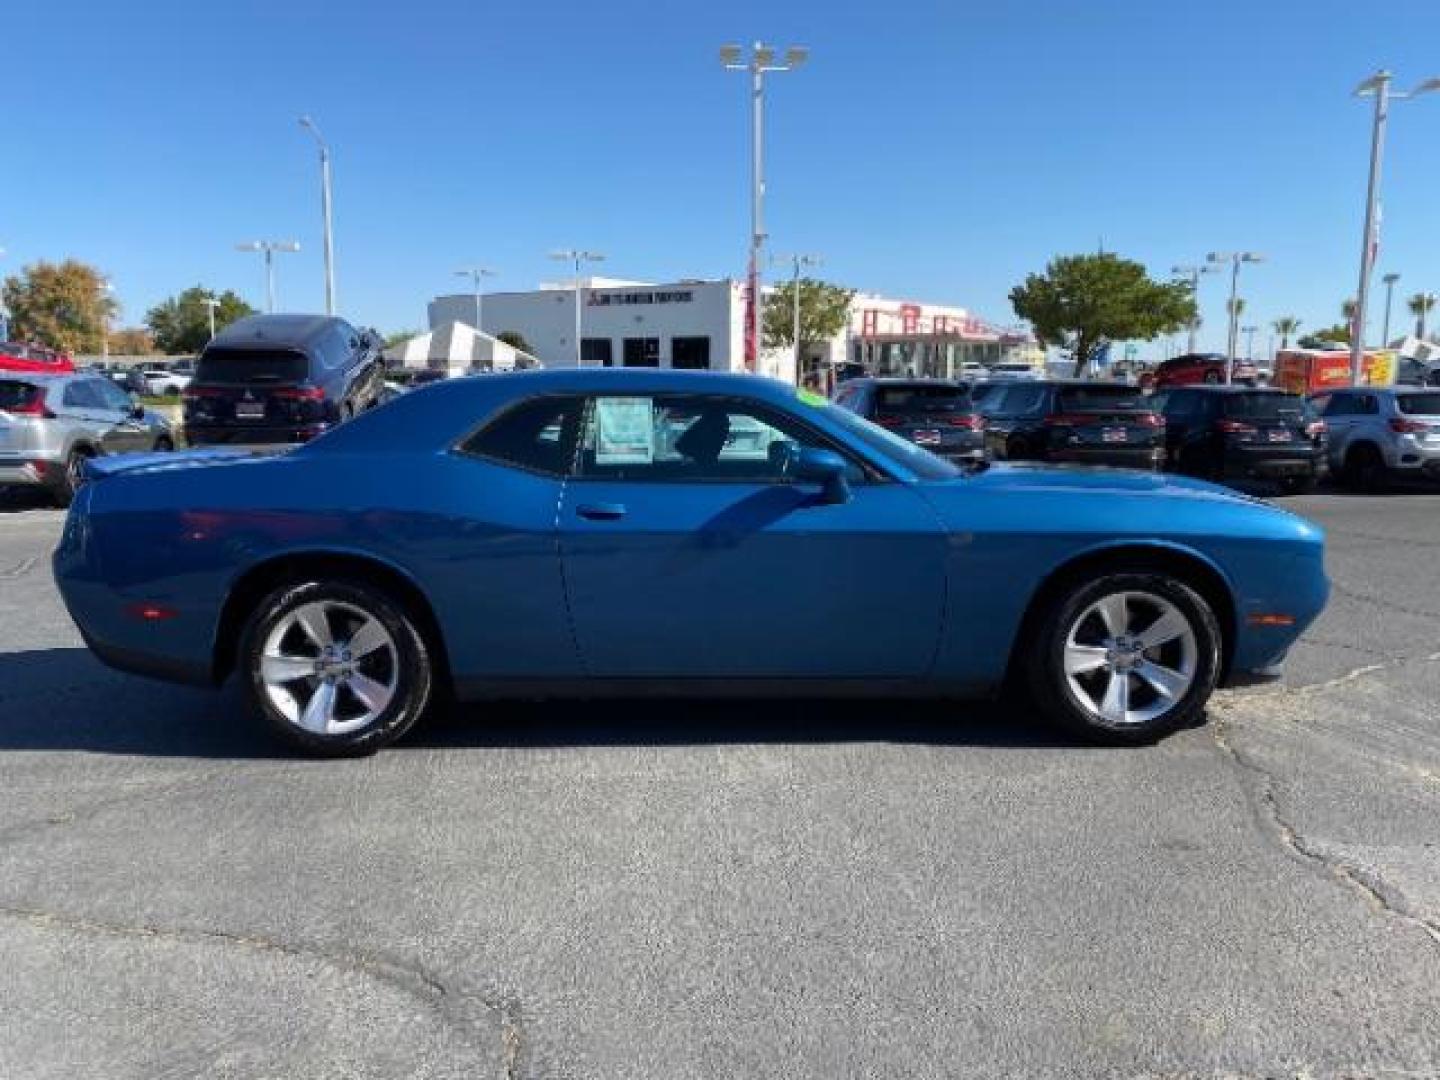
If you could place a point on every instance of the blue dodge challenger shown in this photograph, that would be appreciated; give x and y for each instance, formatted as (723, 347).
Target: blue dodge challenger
(592, 532)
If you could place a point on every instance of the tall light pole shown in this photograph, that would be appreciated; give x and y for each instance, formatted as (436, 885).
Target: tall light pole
(761, 62)
(1249, 332)
(268, 248)
(1378, 87)
(476, 274)
(1234, 258)
(578, 258)
(210, 305)
(796, 262)
(1389, 280)
(1194, 272)
(309, 125)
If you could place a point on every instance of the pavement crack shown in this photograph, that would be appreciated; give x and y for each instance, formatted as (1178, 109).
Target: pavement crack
(1376, 892)
(1325, 686)
(20, 569)
(410, 978)
(1385, 605)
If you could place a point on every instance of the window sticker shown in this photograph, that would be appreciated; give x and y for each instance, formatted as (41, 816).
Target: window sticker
(624, 431)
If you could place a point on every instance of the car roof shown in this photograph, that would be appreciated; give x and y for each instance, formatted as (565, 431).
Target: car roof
(1228, 390)
(255, 331)
(904, 380)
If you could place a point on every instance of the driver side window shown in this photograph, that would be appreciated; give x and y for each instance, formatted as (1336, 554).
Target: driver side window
(690, 439)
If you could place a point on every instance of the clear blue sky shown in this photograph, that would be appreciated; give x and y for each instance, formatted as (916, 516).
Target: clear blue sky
(929, 150)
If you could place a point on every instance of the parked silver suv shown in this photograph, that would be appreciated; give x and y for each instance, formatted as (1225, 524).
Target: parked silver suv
(1378, 432)
(50, 425)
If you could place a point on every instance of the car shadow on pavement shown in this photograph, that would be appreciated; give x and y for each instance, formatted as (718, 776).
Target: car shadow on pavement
(65, 700)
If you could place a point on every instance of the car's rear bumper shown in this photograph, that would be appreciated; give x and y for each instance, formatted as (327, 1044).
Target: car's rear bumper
(1140, 457)
(1274, 465)
(251, 434)
(28, 473)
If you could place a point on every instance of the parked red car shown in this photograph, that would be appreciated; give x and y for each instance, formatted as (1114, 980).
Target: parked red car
(1190, 369)
(35, 359)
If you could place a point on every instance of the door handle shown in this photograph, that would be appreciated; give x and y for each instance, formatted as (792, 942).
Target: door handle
(601, 511)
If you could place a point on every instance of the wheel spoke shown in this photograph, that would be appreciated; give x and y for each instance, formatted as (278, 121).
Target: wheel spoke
(277, 670)
(1116, 703)
(1168, 683)
(1082, 658)
(319, 711)
(1169, 626)
(1115, 614)
(316, 624)
(373, 695)
(367, 639)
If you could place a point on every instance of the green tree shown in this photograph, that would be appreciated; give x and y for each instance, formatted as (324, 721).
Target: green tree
(181, 324)
(1420, 305)
(1326, 338)
(824, 312)
(1347, 310)
(1082, 303)
(1235, 307)
(63, 305)
(515, 340)
(1285, 325)
(399, 337)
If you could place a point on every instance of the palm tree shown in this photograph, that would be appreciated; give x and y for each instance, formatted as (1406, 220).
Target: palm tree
(1420, 305)
(1347, 310)
(1235, 307)
(1286, 325)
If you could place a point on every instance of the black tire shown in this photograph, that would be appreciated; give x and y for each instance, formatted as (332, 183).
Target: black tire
(409, 662)
(71, 480)
(1051, 688)
(1017, 449)
(164, 444)
(1365, 469)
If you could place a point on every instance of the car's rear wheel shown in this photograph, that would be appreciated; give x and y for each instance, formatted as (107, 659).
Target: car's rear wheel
(1126, 658)
(336, 669)
(163, 445)
(1365, 468)
(73, 477)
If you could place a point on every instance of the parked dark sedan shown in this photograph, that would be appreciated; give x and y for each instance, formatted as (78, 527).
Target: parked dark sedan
(1222, 432)
(281, 379)
(932, 413)
(1080, 422)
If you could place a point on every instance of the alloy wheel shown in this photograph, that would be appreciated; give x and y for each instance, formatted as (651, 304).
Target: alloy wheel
(329, 668)
(1130, 657)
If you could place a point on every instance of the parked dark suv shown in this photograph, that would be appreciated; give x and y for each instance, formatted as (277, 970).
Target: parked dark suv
(1094, 423)
(1220, 432)
(932, 413)
(281, 379)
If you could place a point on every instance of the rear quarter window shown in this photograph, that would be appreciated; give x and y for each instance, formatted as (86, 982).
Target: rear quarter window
(1418, 404)
(17, 395)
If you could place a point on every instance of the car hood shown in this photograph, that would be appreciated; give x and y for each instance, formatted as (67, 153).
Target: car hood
(1094, 479)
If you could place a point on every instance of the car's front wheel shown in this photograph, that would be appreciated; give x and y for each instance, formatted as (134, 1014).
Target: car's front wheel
(336, 669)
(1126, 658)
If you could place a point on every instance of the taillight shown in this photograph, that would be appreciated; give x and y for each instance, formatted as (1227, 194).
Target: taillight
(968, 421)
(1408, 427)
(885, 420)
(1150, 419)
(1068, 420)
(1315, 429)
(1234, 427)
(35, 407)
(299, 393)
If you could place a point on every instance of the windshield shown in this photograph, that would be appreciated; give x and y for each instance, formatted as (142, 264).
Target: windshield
(251, 366)
(1099, 398)
(1265, 406)
(891, 447)
(922, 398)
(1418, 404)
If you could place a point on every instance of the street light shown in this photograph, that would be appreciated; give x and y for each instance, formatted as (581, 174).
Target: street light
(1234, 258)
(211, 303)
(1389, 280)
(1378, 87)
(761, 62)
(1194, 273)
(574, 255)
(796, 262)
(309, 125)
(268, 249)
(476, 274)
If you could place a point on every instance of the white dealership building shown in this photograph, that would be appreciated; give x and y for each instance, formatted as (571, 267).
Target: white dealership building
(699, 324)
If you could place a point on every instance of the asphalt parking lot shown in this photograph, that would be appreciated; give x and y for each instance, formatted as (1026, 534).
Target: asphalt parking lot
(687, 890)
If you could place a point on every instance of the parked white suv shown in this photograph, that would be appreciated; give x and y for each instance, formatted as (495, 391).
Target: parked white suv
(1376, 432)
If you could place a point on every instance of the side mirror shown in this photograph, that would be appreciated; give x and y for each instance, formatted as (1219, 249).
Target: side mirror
(826, 468)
